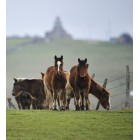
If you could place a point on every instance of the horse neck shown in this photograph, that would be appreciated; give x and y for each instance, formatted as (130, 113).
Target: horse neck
(95, 89)
(78, 74)
(25, 84)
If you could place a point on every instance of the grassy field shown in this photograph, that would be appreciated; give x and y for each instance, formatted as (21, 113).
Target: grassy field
(106, 60)
(12, 42)
(69, 125)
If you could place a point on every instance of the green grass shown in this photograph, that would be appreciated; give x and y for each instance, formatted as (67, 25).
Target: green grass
(69, 125)
(12, 42)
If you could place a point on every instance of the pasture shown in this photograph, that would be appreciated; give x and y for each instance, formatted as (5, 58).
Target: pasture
(106, 60)
(70, 125)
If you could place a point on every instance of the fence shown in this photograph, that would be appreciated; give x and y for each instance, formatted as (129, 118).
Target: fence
(120, 89)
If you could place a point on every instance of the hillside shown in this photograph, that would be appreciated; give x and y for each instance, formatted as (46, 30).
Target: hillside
(106, 60)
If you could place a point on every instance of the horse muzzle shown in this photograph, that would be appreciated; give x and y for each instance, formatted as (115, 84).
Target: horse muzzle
(58, 73)
(108, 107)
(13, 94)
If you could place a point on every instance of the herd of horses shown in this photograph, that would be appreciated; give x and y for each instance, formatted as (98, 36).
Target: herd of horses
(57, 86)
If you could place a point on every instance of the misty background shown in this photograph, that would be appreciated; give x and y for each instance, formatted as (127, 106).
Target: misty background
(84, 19)
(101, 31)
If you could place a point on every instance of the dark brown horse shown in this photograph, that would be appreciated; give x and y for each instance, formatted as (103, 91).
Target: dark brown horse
(55, 82)
(101, 93)
(80, 82)
(29, 91)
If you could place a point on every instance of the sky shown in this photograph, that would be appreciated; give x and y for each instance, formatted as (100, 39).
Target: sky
(84, 19)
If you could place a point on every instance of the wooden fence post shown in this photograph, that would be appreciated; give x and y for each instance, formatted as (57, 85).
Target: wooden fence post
(10, 103)
(104, 86)
(127, 103)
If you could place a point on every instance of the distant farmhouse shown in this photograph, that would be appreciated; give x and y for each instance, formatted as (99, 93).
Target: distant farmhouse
(58, 32)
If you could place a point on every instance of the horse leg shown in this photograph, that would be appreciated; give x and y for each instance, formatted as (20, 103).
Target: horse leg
(68, 102)
(34, 105)
(87, 100)
(46, 102)
(62, 98)
(58, 102)
(77, 97)
(54, 100)
(82, 100)
(18, 102)
(69, 94)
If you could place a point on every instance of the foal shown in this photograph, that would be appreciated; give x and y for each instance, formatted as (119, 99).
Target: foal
(55, 82)
(80, 82)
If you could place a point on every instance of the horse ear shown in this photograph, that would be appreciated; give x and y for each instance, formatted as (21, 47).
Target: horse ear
(79, 60)
(61, 57)
(85, 60)
(42, 74)
(55, 57)
(15, 80)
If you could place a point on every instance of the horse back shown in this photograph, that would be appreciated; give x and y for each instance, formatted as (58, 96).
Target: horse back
(48, 75)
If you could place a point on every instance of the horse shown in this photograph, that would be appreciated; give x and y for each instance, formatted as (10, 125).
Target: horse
(25, 99)
(49, 100)
(80, 82)
(32, 89)
(69, 91)
(98, 91)
(101, 93)
(55, 82)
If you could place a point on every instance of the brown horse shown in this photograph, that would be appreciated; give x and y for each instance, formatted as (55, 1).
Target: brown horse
(80, 82)
(98, 91)
(55, 82)
(69, 90)
(101, 93)
(29, 91)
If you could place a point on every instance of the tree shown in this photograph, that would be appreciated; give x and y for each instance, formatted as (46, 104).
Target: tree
(125, 38)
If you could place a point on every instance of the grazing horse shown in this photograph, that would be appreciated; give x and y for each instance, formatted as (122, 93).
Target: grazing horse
(55, 82)
(26, 99)
(101, 93)
(80, 82)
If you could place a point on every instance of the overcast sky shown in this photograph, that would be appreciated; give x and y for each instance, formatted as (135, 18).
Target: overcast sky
(93, 19)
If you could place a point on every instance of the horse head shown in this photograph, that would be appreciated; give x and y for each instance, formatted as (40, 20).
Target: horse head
(58, 64)
(105, 99)
(101, 93)
(16, 87)
(82, 67)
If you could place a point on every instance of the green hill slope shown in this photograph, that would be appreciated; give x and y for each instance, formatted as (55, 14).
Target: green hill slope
(106, 60)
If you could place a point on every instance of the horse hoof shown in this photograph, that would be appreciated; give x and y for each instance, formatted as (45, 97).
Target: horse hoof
(77, 108)
(54, 109)
(62, 108)
(82, 107)
(67, 108)
(87, 108)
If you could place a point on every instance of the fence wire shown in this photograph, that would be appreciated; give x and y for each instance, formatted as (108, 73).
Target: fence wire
(118, 105)
(110, 81)
(120, 93)
(117, 86)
